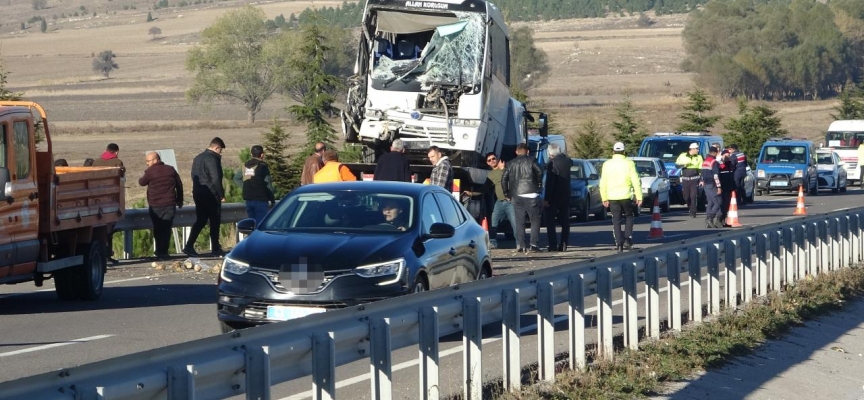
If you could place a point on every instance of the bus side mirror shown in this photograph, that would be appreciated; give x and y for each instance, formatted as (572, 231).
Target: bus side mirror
(543, 125)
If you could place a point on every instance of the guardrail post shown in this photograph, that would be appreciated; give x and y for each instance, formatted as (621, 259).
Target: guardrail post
(673, 280)
(774, 250)
(761, 264)
(846, 223)
(713, 256)
(472, 342)
(800, 251)
(127, 244)
(730, 285)
(380, 365)
(546, 331)
(576, 312)
(181, 382)
(788, 256)
(855, 237)
(746, 270)
(652, 297)
(812, 249)
(258, 373)
(604, 313)
(631, 311)
(834, 242)
(824, 247)
(428, 345)
(323, 366)
(694, 279)
(510, 334)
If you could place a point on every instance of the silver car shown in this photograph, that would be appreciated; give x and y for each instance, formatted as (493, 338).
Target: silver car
(830, 170)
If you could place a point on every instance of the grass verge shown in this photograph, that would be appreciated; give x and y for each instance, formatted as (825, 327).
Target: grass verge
(635, 374)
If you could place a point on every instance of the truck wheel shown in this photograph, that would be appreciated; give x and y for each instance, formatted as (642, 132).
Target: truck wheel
(64, 284)
(83, 282)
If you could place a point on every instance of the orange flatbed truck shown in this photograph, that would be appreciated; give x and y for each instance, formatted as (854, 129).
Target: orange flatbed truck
(55, 222)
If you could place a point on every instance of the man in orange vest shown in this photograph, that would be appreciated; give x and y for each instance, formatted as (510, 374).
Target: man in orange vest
(333, 170)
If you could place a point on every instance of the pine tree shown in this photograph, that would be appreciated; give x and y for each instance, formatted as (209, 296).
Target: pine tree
(43, 26)
(149, 17)
(589, 143)
(275, 143)
(753, 127)
(693, 119)
(627, 128)
(851, 103)
(6, 94)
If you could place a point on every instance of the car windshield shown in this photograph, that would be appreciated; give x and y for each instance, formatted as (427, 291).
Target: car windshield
(645, 168)
(824, 159)
(844, 139)
(334, 211)
(665, 149)
(784, 155)
(577, 171)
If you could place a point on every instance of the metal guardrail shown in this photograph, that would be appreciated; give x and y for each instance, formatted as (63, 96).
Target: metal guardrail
(139, 218)
(754, 261)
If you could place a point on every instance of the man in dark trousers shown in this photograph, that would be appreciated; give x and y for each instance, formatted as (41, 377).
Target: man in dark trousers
(164, 193)
(713, 190)
(393, 166)
(556, 200)
(208, 194)
(727, 180)
(257, 185)
(740, 172)
(522, 182)
(690, 163)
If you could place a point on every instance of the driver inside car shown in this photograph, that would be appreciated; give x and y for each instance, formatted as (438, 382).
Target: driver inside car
(393, 214)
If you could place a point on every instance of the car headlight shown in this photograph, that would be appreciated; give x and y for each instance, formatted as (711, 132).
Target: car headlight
(233, 267)
(798, 173)
(388, 268)
(760, 173)
(466, 122)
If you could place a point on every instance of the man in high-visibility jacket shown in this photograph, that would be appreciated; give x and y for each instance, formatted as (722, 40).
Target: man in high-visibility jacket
(861, 165)
(690, 163)
(618, 183)
(333, 170)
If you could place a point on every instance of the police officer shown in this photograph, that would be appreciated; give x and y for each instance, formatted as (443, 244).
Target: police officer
(727, 180)
(739, 159)
(618, 183)
(713, 189)
(690, 162)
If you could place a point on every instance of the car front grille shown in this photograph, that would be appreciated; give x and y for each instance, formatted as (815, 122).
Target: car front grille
(278, 285)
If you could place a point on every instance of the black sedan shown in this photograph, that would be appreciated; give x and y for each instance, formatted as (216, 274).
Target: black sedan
(585, 191)
(335, 245)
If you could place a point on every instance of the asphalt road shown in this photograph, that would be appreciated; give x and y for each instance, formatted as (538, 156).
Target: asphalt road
(143, 308)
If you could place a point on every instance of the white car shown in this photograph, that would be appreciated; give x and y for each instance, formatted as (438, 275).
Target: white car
(830, 170)
(655, 180)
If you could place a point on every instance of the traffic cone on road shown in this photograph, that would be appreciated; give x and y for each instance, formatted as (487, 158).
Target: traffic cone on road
(656, 225)
(800, 209)
(485, 225)
(732, 215)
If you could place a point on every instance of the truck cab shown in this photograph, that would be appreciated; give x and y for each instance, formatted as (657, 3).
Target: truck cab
(785, 164)
(667, 146)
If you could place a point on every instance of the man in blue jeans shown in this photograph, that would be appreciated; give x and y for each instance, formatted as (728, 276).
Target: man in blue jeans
(503, 208)
(257, 185)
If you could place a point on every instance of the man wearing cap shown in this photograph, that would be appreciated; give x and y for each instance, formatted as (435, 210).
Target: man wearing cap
(618, 183)
(739, 172)
(257, 185)
(713, 190)
(690, 163)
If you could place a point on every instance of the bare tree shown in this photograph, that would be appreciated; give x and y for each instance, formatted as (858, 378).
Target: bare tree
(154, 31)
(104, 63)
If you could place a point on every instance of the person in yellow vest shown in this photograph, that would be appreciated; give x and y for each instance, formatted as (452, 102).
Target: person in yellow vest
(861, 165)
(333, 170)
(618, 183)
(690, 163)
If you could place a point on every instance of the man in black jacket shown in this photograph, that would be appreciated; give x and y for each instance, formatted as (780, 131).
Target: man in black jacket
(208, 194)
(556, 200)
(522, 183)
(164, 193)
(393, 166)
(257, 186)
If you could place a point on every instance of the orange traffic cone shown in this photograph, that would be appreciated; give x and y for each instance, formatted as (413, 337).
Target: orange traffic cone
(732, 215)
(485, 224)
(800, 209)
(656, 225)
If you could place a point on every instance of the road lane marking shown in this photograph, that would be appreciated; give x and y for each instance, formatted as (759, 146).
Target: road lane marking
(53, 345)
(458, 349)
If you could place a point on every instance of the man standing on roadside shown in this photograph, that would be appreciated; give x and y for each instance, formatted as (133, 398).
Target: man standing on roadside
(442, 174)
(164, 193)
(713, 190)
(690, 164)
(618, 183)
(208, 194)
(739, 159)
(523, 181)
(257, 185)
(556, 200)
(312, 164)
(393, 166)
(503, 206)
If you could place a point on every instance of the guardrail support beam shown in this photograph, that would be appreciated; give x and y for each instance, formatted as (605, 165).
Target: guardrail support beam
(631, 311)
(258, 373)
(775, 262)
(323, 366)
(576, 312)
(694, 279)
(746, 270)
(380, 365)
(713, 260)
(428, 345)
(800, 251)
(546, 331)
(761, 275)
(673, 281)
(652, 297)
(472, 342)
(605, 348)
(181, 383)
(510, 335)
(788, 256)
(812, 249)
(731, 263)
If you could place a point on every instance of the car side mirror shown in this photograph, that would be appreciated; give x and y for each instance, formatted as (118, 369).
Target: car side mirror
(5, 183)
(246, 226)
(543, 125)
(440, 230)
(593, 177)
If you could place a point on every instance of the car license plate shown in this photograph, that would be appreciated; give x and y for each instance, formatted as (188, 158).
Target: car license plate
(779, 183)
(284, 313)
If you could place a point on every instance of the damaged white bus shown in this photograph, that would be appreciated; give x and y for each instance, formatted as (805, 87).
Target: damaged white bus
(434, 72)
